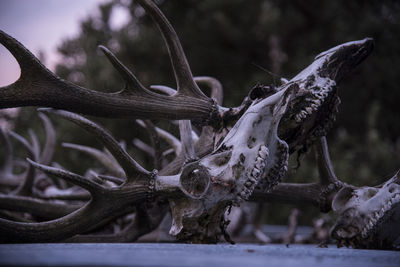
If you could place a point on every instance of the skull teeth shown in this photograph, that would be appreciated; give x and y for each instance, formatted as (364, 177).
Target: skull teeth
(243, 195)
(308, 110)
(255, 173)
(253, 179)
(260, 163)
(249, 183)
(376, 216)
(319, 96)
(263, 152)
(317, 102)
(381, 212)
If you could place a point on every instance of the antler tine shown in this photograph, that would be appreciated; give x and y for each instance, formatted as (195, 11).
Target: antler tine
(73, 178)
(131, 82)
(132, 169)
(50, 144)
(23, 142)
(155, 142)
(26, 60)
(185, 145)
(167, 137)
(42, 208)
(35, 143)
(25, 188)
(183, 75)
(8, 158)
(163, 89)
(217, 91)
(185, 129)
(116, 180)
(109, 163)
(327, 173)
(79, 196)
(143, 147)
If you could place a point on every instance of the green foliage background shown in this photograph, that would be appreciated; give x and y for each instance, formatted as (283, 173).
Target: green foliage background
(228, 39)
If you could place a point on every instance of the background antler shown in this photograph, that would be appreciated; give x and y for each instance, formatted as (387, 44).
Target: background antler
(106, 202)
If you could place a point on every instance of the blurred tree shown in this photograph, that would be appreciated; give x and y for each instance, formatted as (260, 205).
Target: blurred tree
(229, 39)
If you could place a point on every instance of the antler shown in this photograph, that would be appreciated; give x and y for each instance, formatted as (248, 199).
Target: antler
(106, 203)
(223, 174)
(37, 86)
(317, 194)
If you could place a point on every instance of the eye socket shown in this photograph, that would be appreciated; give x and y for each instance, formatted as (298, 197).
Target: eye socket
(341, 198)
(262, 91)
(392, 188)
(194, 180)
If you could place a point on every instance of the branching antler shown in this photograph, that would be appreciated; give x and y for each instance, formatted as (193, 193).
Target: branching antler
(38, 86)
(238, 149)
(105, 204)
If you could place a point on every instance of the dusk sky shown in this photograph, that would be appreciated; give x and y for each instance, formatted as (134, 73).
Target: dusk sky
(41, 25)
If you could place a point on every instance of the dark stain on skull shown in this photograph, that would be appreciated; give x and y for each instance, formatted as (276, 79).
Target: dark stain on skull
(223, 158)
(310, 80)
(238, 168)
(242, 158)
(258, 121)
(251, 142)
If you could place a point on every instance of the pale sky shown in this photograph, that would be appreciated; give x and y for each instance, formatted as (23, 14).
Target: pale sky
(41, 25)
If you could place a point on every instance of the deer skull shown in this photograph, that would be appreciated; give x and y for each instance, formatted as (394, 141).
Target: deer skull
(250, 152)
(311, 113)
(368, 216)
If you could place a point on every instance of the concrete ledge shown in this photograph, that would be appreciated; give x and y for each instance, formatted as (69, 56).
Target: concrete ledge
(190, 255)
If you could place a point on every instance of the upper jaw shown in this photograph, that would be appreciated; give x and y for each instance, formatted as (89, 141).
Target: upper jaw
(337, 61)
(312, 111)
(341, 59)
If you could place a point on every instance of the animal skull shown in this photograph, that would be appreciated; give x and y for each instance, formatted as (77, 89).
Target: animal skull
(250, 152)
(311, 113)
(368, 216)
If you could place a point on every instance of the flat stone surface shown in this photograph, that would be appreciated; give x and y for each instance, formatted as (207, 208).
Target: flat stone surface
(191, 255)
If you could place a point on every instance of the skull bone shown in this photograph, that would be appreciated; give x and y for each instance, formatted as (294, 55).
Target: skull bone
(368, 216)
(247, 153)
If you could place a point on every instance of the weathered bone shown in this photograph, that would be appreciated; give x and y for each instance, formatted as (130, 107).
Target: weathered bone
(246, 155)
(241, 152)
(311, 113)
(368, 217)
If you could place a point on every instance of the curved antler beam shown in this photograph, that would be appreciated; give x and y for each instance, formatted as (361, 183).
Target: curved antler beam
(38, 86)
